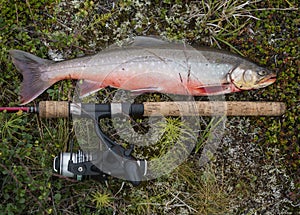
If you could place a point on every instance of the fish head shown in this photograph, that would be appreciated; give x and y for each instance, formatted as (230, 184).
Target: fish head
(250, 76)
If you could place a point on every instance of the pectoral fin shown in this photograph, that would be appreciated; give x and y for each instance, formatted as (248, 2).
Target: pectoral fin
(146, 90)
(215, 90)
(88, 87)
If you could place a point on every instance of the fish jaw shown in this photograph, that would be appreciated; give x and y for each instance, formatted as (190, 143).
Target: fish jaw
(268, 80)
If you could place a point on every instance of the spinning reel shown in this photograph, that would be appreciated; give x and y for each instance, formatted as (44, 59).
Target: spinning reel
(115, 160)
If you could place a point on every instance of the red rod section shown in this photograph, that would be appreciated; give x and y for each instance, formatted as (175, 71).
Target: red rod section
(15, 109)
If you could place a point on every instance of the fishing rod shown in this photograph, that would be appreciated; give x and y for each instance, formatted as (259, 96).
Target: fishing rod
(121, 161)
(62, 109)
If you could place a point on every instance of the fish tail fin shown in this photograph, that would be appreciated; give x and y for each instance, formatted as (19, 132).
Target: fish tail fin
(32, 68)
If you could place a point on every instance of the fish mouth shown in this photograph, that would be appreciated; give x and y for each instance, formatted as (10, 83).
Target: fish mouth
(270, 79)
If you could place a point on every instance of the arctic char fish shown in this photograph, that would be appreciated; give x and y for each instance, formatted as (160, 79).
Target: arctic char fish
(145, 64)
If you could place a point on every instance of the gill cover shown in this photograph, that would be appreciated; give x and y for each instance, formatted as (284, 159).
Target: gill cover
(241, 78)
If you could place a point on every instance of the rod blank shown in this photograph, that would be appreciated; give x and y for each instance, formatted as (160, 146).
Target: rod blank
(14, 109)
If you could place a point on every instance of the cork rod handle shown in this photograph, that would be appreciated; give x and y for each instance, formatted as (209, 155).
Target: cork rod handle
(211, 108)
(54, 109)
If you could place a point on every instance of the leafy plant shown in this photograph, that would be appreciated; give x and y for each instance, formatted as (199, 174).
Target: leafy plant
(101, 200)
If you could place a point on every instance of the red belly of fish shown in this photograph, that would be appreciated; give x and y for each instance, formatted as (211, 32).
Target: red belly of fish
(165, 84)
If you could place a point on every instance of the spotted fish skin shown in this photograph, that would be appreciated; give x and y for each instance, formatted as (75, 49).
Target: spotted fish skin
(145, 64)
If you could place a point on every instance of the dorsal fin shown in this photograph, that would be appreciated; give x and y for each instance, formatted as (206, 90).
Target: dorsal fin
(148, 42)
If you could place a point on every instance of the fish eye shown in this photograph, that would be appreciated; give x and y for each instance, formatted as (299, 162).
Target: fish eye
(262, 72)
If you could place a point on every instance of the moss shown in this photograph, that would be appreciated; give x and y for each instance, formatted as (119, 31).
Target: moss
(74, 28)
(275, 45)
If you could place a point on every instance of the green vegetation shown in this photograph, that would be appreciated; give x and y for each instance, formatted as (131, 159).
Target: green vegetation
(255, 171)
(101, 200)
